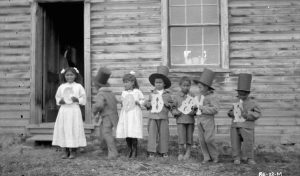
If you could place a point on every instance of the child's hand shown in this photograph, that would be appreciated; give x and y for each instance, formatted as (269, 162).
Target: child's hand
(147, 104)
(74, 99)
(137, 103)
(176, 113)
(244, 114)
(61, 101)
(230, 114)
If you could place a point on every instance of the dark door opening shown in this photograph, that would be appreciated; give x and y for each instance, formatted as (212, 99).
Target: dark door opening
(62, 43)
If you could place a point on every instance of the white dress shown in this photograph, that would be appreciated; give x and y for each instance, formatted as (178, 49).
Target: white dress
(68, 128)
(131, 118)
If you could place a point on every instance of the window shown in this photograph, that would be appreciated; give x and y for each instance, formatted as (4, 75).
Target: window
(196, 33)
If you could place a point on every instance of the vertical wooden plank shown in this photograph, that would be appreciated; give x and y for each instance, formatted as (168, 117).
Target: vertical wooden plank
(224, 34)
(164, 32)
(87, 61)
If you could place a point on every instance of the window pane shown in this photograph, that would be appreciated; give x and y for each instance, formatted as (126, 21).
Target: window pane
(209, 1)
(195, 57)
(212, 54)
(177, 55)
(194, 14)
(176, 2)
(211, 35)
(210, 14)
(194, 35)
(192, 2)
(177, 15)
(177, 36)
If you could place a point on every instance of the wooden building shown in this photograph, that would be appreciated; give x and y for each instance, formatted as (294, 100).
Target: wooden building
(261, 37)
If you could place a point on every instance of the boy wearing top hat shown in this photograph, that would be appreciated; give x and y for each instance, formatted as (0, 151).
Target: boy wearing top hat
(159, 106)
(106, 107)
(207, 105)
(243, 114)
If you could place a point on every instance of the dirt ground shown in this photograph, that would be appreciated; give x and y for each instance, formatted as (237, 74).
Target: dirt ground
(18, 158)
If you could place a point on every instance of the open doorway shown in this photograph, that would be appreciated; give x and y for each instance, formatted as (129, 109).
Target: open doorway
(60, 36)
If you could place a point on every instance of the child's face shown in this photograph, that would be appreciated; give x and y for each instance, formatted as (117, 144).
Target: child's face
(128, 85)
(185, 86)
(159, 84)
(243, 95)
(70, 76)
(202, 88)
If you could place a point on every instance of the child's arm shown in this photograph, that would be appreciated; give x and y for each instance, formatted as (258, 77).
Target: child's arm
(174, 110)
(212, 108)
(58, 97)
(141, 99)
(253, 114)
(147, 103)
(230, 113)
(82, 96)
(99, 104)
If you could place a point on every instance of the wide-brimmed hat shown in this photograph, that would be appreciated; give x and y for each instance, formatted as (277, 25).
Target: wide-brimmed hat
(102, 77)
(207, 77)
(162, 73)
(244, 82)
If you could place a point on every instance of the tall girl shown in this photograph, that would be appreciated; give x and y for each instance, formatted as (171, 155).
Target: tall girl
(68, 129)
(130, 125)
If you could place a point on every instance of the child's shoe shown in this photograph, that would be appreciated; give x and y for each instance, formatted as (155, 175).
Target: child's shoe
(205, 161)
(180, 157)
(251, 162)
(66, 153)
(164, 155)
(187, 153)
(216, 160)
(237, 162)
(72, 153)
(151, 155)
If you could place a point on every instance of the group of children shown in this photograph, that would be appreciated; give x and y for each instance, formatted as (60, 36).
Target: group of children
(189, 110)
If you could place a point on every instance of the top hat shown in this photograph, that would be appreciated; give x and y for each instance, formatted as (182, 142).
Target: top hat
(102, 77)
(162, 73)
(206, 78)
(244, 82)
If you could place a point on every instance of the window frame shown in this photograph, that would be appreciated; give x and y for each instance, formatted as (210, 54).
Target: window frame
(224, 46)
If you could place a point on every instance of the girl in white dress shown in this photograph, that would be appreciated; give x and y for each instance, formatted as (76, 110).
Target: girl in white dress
(68, 129)
(130, 125)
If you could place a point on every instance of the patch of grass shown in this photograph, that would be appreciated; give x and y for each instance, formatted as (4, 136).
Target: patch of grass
(45, 160)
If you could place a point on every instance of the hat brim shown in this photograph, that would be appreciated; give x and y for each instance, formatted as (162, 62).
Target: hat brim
(197, 82)
(242, 90)
(161, 76)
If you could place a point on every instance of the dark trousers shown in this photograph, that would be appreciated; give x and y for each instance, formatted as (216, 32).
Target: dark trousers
(242, 142)
(185, 133)
(206, 129)
(158, 138)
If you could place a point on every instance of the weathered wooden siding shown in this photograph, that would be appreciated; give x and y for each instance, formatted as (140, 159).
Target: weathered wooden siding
(126, 35)
(15, 41)
(264, 40)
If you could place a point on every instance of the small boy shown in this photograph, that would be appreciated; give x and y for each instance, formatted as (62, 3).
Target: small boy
(159, 104)
(208, 107)
(106, 106)
(243, 114)
(184, 114)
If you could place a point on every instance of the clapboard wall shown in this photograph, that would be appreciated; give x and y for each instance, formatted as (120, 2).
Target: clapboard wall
(126, 35)
(15, 42)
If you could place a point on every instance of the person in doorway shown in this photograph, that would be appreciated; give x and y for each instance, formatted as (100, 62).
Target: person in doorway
(130, 125)
(244, 113)
(207, 105)
(68, 129)
(105, 108)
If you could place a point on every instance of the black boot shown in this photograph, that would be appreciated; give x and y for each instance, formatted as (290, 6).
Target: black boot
(129, 144)
(66, 153)
(135, 147)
